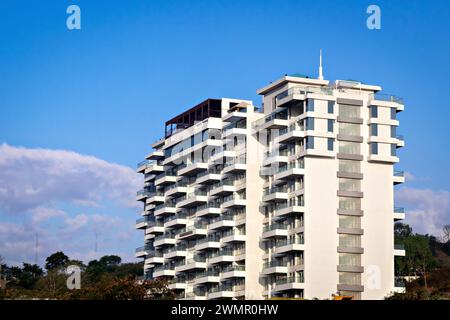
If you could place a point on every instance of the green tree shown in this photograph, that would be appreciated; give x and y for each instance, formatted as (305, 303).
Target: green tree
(401, 231)
(111, 260)
(56, 261)
(418, 259)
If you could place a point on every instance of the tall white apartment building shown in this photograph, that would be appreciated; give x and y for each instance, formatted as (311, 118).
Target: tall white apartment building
(294, 199)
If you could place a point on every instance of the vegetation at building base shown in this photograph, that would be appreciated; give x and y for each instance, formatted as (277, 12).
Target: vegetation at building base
(104, 279)
(425, 267)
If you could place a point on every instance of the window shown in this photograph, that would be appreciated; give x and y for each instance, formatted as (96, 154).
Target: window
(347, 203)
(350, 278)
(349, 129)
(349, 259)
(349, 184)
(349, 166)
(374, 148)
(309, 142)
(330, 106)
(330, 125)
(393, 131)
(350, 240)
(310, 105)
(349, 222)
(393, 150)
(349, 147)
(374, 129)
(309, 123)
(374, 111)
(393, 114)
(348, 111)
(330, 142)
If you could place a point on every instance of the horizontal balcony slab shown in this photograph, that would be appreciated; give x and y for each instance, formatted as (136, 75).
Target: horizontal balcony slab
(164, 242)
(164, 273)
(190, 266)
(155, 199)
(165, 180)
(192, 201)
(177, 191)
(165, 210)
(175, 254)
(193, 169)
(192, 234)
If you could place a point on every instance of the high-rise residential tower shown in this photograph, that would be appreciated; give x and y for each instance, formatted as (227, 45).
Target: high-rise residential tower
(293, 199)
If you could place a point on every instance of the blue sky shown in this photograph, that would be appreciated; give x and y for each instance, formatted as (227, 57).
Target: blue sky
(106, 89)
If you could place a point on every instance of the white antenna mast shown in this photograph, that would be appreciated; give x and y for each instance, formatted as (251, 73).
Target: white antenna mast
(320, 67)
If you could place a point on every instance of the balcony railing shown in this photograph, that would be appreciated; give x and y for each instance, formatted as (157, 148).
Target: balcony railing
(399, 173)
(145, 163)
(284, 280)
(274, 263)
(144, 248)
(399, 210)
(388, 97)
(275, 226)
(399, 282)
(399, 246)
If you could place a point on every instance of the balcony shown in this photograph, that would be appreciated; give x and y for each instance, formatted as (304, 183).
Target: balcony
(233, 131)
(285, 246)
(153, 168)
(279, 193)
(154, 228)
(175, 252)
(233, 236)
(236, 271)
(276, 120)
(178, 283)
(222, 222)
(142, 223)
(164, 271)
(235, 166)
(287, 208)
(165, 209)
(208, 209)
(155, 155)
(275, 267)
(175, 221)
(292, 133)
(176, 190)
(208, 177)
(222, 256)
(221, 291)
(233, 201)
(289, 283)
(143, 251)
(154, 258)
(195, 296)
(192, 169)
(289, 171)
(208, 276)
(222, 188)
(399, 250)
(275, 230)
(191, 264)
(143, 165)
(165, 179)
(155, 197)
(193, 199)
(399, 177)
(193, 232)
(141, 195)
(235, 115)
(164, 240)
(209, 242)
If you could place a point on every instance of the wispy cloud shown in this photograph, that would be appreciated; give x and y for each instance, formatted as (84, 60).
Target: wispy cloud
(428, 210)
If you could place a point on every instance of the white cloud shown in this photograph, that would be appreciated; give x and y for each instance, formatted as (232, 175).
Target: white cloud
(427, 210)
(35, 184)
(32, 178)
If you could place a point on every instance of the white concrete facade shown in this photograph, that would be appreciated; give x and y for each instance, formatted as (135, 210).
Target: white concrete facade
(295, 199)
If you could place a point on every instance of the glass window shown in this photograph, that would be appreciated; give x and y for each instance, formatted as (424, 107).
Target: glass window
(393, 150)
(349, 147)
(349, 222)
(349, 166)
(349, 259)
(374, 129)
(310, 105)
(347, 203)
(393, 114)
(330, 125)
(330, 144)
(309, 123)
(350, 240)
(346, 184)
(393, 131)
(374, 111)
(348, 111)
(349, 129)
(309, 142)
(350, 278)
(374, 148)
(330, 106)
